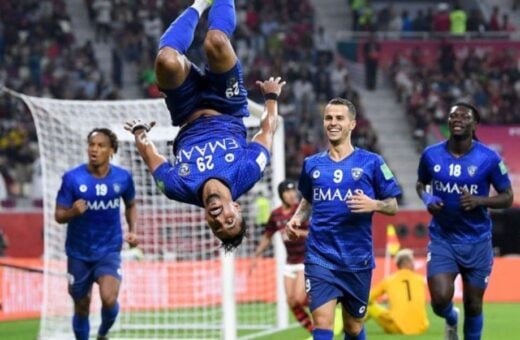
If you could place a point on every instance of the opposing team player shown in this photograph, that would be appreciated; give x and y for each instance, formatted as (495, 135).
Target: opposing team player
(89, 202)
(405, 292)
(294, 281)
(214, 163)
(341, 188)
(460, 172)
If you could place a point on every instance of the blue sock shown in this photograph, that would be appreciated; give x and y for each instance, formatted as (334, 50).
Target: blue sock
(81, 327)
(361, 336)
(179, 35)
(222, 16)
(449, 314)
(322, 334)
(108, 317)
(473, 327)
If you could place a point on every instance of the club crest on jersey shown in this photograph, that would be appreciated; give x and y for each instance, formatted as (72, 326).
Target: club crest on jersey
(184, 170)
(472, 170)
(356, 173)
(117, 187)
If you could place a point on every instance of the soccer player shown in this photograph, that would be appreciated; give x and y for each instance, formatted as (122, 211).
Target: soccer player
(89, 202)
(214, 164)
(341, 188)
(405, 292)
(294, 280)
(460, 172)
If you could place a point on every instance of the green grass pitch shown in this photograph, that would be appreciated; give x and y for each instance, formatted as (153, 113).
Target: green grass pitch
(501, 321)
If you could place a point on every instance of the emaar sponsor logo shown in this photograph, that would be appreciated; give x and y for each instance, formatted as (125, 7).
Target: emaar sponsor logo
(454, 188)
(320, 194)
(104, 205)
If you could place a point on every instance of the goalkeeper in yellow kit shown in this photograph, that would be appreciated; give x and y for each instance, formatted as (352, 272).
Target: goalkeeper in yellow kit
(406, 295)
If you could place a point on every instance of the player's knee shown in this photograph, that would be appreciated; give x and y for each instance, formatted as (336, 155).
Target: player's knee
(353, 328)
(216, 44)
(82, 307)
(440, 306)
(109, 301)
(168, 61)
(473, 307)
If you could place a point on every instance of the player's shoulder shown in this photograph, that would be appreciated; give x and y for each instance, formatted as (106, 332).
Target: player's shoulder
(77, 170)
(367, 155)
(316, 157)
(435, 148)
(120, 171)
(485, 150)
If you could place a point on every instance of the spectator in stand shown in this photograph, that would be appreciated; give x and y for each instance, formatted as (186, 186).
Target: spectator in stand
(494, 24)
(371, 50)
(458, 20)
(4, 242)
(506, 25)
(441, 19)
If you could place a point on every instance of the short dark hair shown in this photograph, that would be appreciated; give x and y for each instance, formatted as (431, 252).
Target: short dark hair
(232, 243)
(342, 101)
(107, 132)
(476, 113)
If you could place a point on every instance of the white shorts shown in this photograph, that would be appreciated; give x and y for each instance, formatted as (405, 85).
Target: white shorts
(290, 270)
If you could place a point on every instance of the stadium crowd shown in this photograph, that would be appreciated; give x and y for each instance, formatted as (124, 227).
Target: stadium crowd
(490, 80)
(39, 57)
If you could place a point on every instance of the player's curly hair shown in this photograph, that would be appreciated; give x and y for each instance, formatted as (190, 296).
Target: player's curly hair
(232, 243)
(107, 132)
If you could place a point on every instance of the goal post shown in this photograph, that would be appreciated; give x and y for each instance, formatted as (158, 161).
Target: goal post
(181, 285)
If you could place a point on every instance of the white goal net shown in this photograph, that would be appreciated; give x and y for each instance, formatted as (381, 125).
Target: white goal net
(181, 286)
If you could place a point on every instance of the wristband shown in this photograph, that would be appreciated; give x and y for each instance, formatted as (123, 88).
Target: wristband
(270, 96)
(144, 126)
(429, 199)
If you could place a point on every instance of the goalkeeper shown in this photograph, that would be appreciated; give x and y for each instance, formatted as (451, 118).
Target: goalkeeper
(214, 164)
(406, 294)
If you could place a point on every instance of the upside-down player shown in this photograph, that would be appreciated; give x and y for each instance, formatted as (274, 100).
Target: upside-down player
(214, 162)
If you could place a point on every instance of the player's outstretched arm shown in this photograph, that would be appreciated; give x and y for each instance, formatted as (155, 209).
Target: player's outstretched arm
(271, 90)
(64, 215)
(145, 146)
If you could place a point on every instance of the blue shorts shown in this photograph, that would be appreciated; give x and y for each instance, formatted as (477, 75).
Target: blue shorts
(351, 289)
(473, 261)
(223, 92)
(82, 274)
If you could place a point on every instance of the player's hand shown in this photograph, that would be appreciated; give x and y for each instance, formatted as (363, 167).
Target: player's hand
(433, 203)
(361, 203)
(272, 85)
(291, 228)
(79, 207)
(468, 201)
(131, 239)
(252, 266)
(135, 126)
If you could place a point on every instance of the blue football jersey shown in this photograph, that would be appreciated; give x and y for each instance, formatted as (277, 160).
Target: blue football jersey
(212, 147)
(448, 176)
(339, 239)
(97, 231)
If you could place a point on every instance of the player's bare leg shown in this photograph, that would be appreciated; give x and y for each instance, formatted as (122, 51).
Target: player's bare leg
(352, 326)
(171, 65)
(108, 291)
(442, 288)
(473, 317)
(297, 298)
(218, 48)
(80, 322)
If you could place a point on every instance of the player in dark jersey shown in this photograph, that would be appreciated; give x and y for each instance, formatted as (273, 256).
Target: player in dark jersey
(294, 280)
(214, 164)
(341, 188)
(460, 172)
(89, 202)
